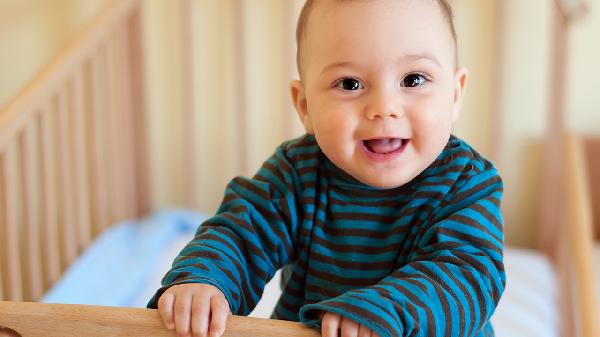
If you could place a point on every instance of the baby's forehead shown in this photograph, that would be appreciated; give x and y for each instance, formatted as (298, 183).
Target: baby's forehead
(327, 10)
(373, 23)
(407, 27)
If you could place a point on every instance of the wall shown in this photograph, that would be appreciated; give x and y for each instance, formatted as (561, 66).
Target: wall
(478, 52)
(524, 93)
(242, 61)
(31, 32)
(583, 83)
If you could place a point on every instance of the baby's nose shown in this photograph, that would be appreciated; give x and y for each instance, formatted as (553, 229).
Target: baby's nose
(384, 106)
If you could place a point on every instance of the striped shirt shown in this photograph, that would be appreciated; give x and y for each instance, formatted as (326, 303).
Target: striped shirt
(423, 259)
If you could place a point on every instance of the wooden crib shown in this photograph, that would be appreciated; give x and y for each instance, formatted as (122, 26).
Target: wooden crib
(77, 135)
(74, 159)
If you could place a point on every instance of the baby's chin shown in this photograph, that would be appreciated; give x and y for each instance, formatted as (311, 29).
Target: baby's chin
(385, 182)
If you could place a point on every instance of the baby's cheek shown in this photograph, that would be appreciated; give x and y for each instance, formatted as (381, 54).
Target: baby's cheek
(432, 122)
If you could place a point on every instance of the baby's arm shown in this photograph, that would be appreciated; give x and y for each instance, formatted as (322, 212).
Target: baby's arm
(199, 309)
(452, 281)
(239, 250)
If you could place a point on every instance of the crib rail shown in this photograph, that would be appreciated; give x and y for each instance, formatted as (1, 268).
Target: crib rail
(68, 320)
(72, 152)
(575, 258)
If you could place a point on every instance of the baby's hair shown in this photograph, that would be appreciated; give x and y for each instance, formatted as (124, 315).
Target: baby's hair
(304, 14)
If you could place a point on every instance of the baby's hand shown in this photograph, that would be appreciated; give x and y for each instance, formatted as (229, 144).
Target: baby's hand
(334, 325)
(191, 305)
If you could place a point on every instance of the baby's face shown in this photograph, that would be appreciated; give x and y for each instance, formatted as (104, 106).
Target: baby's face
(380, 87)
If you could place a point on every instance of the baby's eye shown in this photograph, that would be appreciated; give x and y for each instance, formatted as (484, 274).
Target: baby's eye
(414, 80)
(349, 84)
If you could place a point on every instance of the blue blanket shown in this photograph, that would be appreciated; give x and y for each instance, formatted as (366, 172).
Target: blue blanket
(124, 265)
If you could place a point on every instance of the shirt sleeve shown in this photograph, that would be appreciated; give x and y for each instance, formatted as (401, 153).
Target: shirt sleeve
(453, 280)
(252, 235)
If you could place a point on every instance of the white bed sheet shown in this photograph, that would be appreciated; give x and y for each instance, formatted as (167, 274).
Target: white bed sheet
(125, 265)
(528, 307)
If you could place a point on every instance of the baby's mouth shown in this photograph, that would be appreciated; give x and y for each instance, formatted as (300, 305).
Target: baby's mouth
(384, 145)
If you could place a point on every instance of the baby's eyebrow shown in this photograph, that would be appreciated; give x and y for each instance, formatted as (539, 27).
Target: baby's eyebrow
(417, 57)
(402, 60)
(335, 65)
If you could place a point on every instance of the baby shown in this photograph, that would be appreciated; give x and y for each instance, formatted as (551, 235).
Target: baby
(386, 224)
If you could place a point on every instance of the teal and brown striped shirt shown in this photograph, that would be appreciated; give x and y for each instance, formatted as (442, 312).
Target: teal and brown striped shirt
(423, 259)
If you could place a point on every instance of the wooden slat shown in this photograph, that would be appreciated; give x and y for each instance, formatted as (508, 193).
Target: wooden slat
(31, 181)
(499, 76)
(79, 116)
(577, 229)
(115, 136)
(48, 143)
(592, 154)
(67, 215)
(189, 114)
(245, 152)
(126, 121)
(140, 123)
(54, 320)
(3, 222)
(553, 182)
(13, 224)
(290, 10)
(99, 139)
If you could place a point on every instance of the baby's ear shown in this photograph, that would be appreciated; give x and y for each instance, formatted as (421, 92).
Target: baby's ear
(299, 100)
(460, 85)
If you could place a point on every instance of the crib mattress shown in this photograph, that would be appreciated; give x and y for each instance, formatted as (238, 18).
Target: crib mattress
(125, 265)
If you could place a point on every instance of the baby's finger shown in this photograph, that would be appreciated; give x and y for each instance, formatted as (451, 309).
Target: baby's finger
(182, 310)
(349, 327)
(330, 325)
(219, 310)
(165, 308)
(364, 331)
(200, 315)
